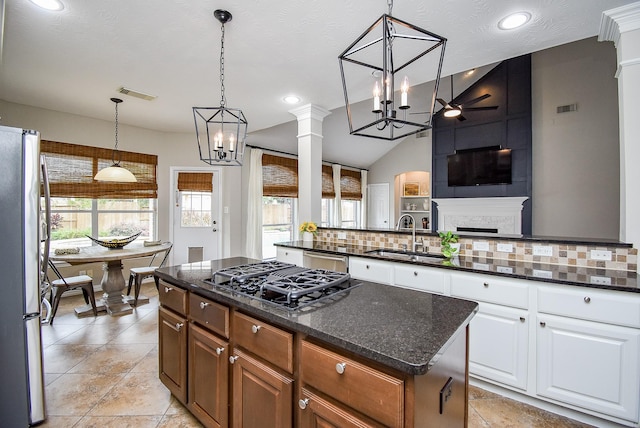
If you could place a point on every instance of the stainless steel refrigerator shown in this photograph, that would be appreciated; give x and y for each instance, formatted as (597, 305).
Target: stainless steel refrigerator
(21, 239)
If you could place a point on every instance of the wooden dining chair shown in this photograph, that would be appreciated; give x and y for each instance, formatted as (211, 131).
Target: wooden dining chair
(62, 284)
(138, 274)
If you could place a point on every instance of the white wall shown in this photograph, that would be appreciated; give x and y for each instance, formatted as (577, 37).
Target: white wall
(576, 163)
(172, 150)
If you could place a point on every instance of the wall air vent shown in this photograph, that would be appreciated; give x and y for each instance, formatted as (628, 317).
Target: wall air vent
(567, 108)
(137, 94)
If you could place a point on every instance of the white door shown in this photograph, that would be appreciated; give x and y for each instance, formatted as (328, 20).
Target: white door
(378, 205)
(195, 219)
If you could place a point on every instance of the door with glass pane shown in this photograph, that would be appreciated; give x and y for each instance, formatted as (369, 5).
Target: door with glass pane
(196, 226)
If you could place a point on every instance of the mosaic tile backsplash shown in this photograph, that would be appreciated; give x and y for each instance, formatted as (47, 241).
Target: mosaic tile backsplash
(622, 258)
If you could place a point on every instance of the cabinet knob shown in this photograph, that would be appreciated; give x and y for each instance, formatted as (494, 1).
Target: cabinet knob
(232, 359)
(587, 299)
(219, 351)
(367, 266)
(522, 319)
(286, 253)
(543, 324)
(255, 328)
(415, 273)
(179, 326)
(303, 403)
(486, 284)
(204, 305)
(167, 289)
(341, 367)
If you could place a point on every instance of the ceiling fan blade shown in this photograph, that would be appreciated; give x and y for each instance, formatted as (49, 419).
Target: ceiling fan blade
(476, 100)
(481, 108)
(443, 102)
(461, 118)
(421, 112)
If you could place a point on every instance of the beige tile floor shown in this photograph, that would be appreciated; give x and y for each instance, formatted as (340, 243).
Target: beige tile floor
(103, 372)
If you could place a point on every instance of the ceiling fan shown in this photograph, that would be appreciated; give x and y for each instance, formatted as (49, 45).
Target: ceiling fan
(455, 110)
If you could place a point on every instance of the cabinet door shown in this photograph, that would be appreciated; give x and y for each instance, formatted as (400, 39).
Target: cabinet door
(290, 255)
(419, 278)
(315, 412)
(591, 365)
(172, 344)
(371, 270)
(209, 377)
(499, 345)
(262, 397)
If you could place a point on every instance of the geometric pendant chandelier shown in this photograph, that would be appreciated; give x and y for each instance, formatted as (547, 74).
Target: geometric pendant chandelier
(221, 131)
(379, 67)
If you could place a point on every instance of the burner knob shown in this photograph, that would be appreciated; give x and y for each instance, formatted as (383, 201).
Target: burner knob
(204, 305)
(255, 328)
(232, 359)
(219, 351)
(303, 403)
(340, 367)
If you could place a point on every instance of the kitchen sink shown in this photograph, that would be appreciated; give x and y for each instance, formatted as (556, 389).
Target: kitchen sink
(412, 256)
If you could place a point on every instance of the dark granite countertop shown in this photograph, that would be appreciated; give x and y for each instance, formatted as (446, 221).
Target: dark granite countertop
(403, 329)
(608, 279)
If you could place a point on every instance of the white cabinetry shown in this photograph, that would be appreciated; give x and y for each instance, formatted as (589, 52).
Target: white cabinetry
(499, 335)
(419, 278)
(592, 365)
(371, 270)
(290, 255)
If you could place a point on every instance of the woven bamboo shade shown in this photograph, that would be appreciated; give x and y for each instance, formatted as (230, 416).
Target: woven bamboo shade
(350, 184)
(279, 176)
(195, 181)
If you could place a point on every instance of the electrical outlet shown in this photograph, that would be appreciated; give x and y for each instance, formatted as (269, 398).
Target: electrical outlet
(480, 246)
(504, 269)
(543, 250)
(505, 248)
(601, 255)
(545, 274)
(342, 235)
(481, 266)
(82, 272)
(601, 280)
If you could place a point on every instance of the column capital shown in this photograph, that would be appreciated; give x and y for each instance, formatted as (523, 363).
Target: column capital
(619, 20)
(310, 111)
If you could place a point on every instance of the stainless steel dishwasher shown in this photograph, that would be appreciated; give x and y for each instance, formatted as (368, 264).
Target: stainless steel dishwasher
(316, 260)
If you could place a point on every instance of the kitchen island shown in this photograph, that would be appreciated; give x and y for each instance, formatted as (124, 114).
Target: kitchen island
(375, 356)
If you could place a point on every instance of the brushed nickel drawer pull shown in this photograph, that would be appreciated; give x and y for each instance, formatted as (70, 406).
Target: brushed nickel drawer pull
(415, 273)
(587, 299)
(232, 359)
(167, 289)
(255, 328)
(522, 319)
(341, 367)
(543, 324)
(204, 305)
(179, 326)
(219, 351)
(486, 284)
(303, 403)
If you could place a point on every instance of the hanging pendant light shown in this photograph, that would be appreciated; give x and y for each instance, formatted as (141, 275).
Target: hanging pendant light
(221, 131)
(115, 172)
(409, 54)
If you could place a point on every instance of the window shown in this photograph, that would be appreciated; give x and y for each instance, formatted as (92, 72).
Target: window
(81, 206)
(278, 220)
(195, 198)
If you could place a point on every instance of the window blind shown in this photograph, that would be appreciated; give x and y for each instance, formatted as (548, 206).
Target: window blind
(71, 169)
(195, 181)
(350, 187)
(279, 176)
(327, 182)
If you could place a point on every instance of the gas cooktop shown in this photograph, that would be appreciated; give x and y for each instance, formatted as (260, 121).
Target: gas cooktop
(283, 284)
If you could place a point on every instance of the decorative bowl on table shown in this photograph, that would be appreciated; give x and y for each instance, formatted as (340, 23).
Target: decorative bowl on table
(115, 243)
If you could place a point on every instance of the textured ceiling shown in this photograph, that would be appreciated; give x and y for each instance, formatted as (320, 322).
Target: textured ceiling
(75, 60)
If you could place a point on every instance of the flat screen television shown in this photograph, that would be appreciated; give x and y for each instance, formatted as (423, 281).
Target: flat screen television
(475, 167)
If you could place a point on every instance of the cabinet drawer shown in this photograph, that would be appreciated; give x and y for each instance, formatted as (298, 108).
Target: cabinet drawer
(173, 297)
(369, 391)
(371, 270)
(209, 314)
(585, 303)
(420, 278)
(290, 255)
(490, 289)
(264, 340)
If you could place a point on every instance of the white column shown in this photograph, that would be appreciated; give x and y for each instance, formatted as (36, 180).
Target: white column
(310, 119)
(622, 26)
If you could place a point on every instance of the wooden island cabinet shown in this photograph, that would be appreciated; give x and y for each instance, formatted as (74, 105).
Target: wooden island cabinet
(233, 366)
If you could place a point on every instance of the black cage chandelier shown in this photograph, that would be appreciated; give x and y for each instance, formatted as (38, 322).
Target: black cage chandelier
(221, 131)
(409, 53)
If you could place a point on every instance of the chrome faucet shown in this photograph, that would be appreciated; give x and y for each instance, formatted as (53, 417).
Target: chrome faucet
(414, 243)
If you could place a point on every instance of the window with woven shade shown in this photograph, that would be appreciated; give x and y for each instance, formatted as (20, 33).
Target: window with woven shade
(279, 176)
(350, 184)
(327, 182)
(71, 169)
(195, 181)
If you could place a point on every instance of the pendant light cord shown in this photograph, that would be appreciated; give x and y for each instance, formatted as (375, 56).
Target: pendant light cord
(115, 158)
(223, 100)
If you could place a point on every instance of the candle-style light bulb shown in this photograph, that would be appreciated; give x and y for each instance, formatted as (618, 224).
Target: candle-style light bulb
(376, 97)
(387, 84)
(404, 90)
(232, 143)
(218, 138)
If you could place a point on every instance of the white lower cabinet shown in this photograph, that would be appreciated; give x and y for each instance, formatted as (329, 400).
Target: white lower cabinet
(419, 278)
(371, 270)
(290, 255)
(499, 345)
(591, 365)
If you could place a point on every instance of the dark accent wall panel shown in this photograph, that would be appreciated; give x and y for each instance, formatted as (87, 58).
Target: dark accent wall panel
(509, 126)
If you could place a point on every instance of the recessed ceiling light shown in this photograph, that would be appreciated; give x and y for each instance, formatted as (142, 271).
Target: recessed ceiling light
(55, 5)
(291, 99)
(514, 20)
